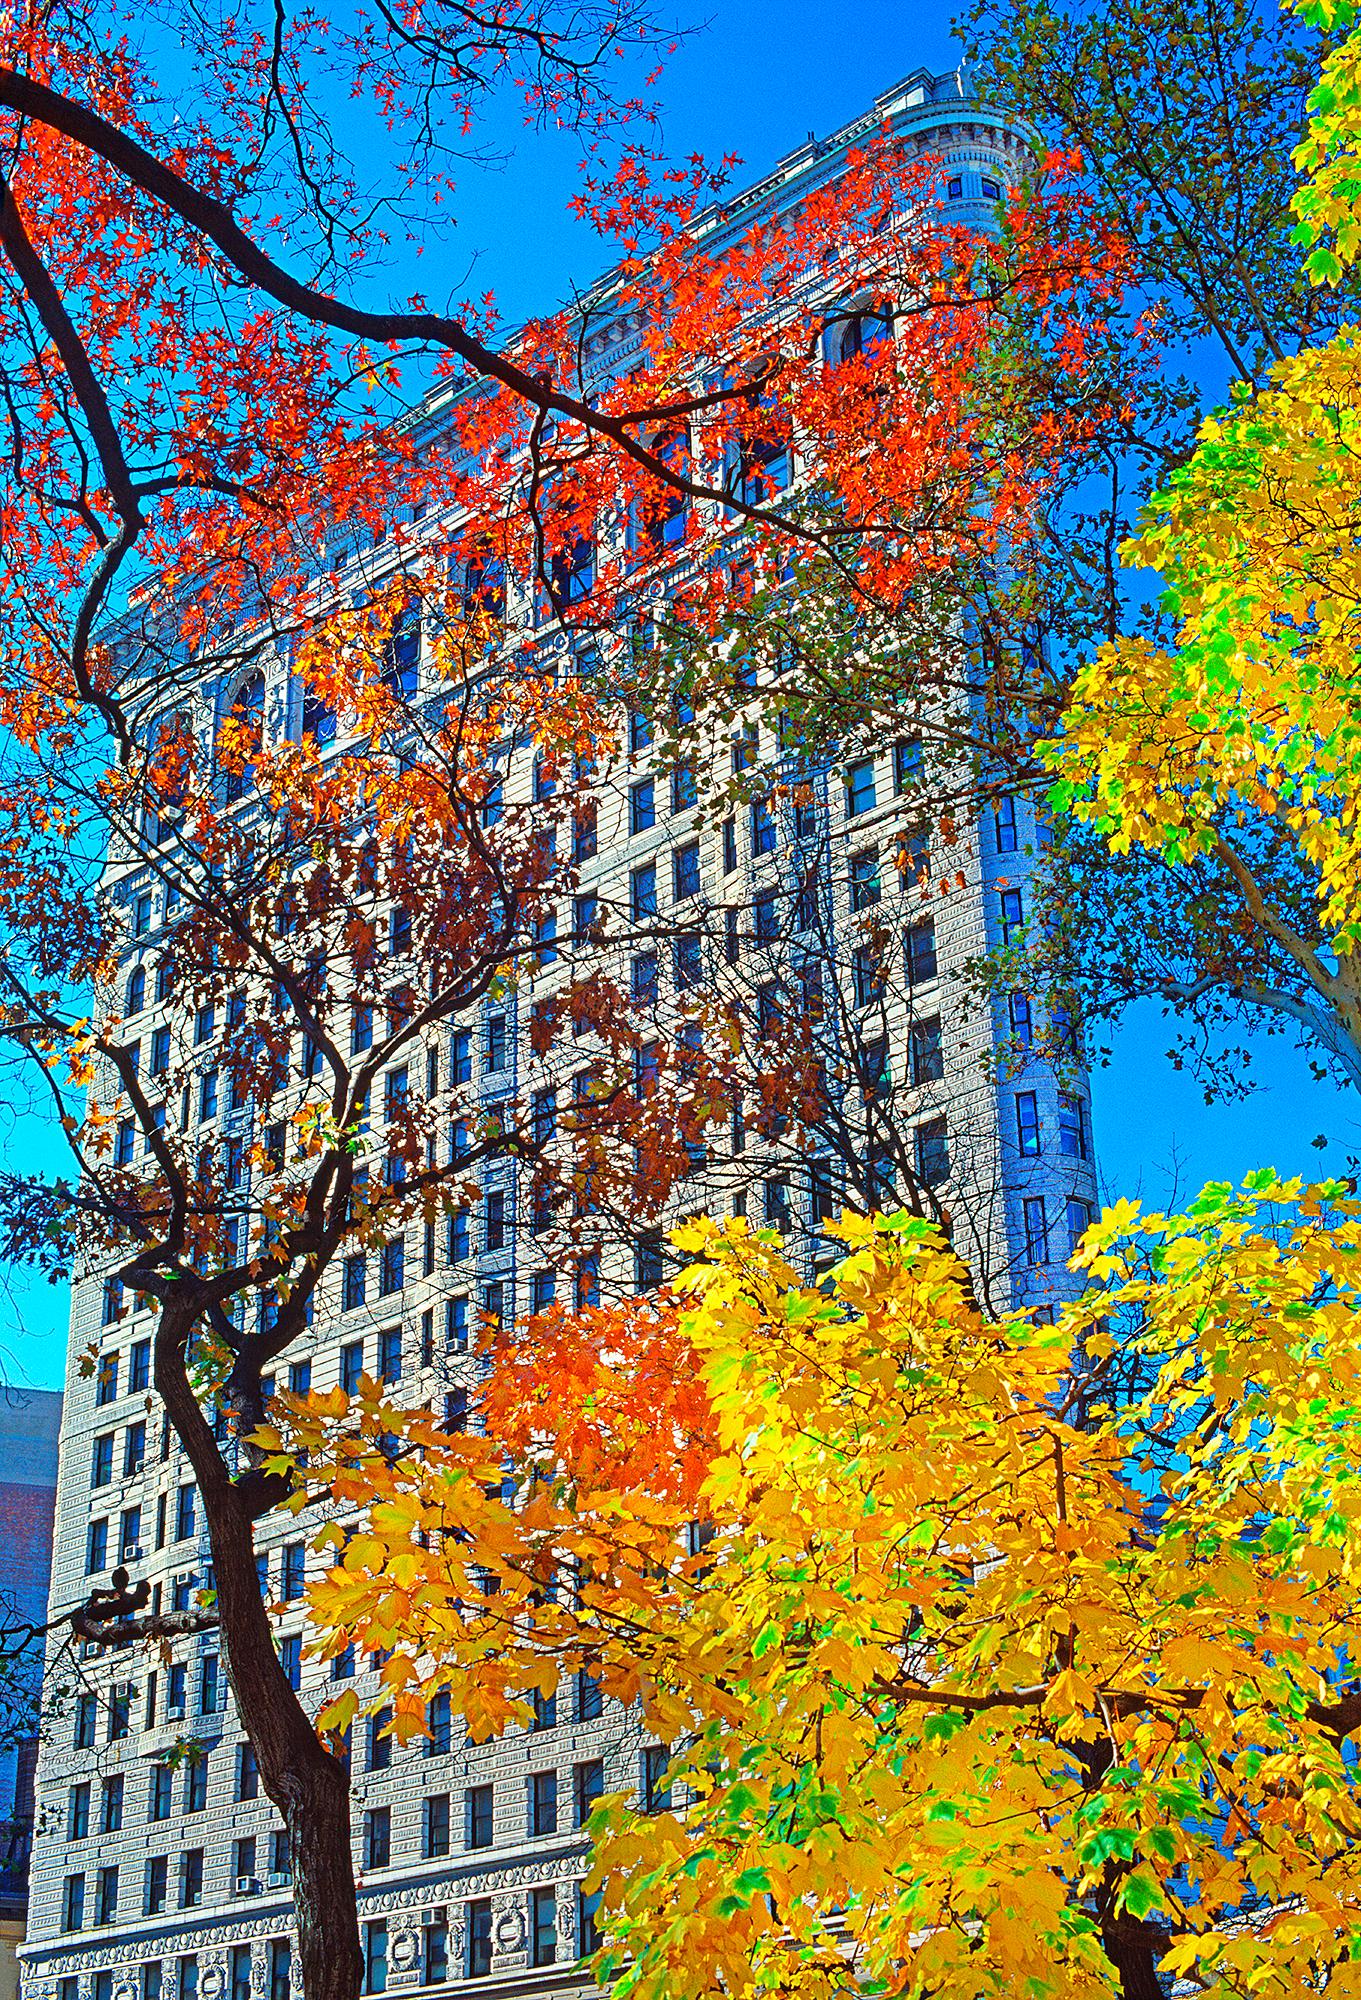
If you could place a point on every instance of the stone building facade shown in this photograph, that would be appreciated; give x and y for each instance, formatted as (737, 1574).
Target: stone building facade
(161, 1875)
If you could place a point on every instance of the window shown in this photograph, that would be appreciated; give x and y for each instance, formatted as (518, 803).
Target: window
(380, 1740)
(656, 1792)
(864, 879)
(991, 191)
(480, 1828)
(135, 996)
(907, 765)
(154, 1885)
(729, 846)
(87, 1709)
(1078, 1217)
(688, 962)
(541, 1288)
(643, 978)
(187, 1976)
(545, 1708)
(647, 1263)
(589, 1701)
(919, 952)
(493, 803)
(106, 1895)
(196, 1784)
(434, 1954)
(158, 1797)
(1004, 825)
(239, 1988)
(762, 827)
(120, 1713)
(351, 1365)
(1013, 916)
(73, 1903)
(378, 1837)
(684, 790)
(586, 1283)
(376, 1955)
(101, 1467)
(435, 1827)
(392, 1268)
(290, 1659)
(496, 1043)
(184, 1513)
(247, 1773)
(139, 1370)
(931, 1143)
(954, 189)
(207, 1096)
(1036, 1230)
(588, 1782)
(280, 1855)
(584, 832)
(1028, 1123)
(134, 1447)
(588, 1922)
(494, 1220)
(96, 1547)
(479, 1939)
(456, 1324)
(396, 1092)
(354, 1283)
(243, 1858)
(927, 1059)
(402, 655)
(866, 975)
(291, 1572)
(860, 793)
(543, 1923)
(141, 915)
(130, 1535)
(1072, 1126)
(280, 1969)
(1019, 1019)
(545, 938)
(191, 1878)
(175, 1678)
(461, 1056)
(685, 870)
(300, 1378)
(390, 1354)
(342, 1666)
(765, 921)
(78, 1812)
(543, 1802)
(643, 891)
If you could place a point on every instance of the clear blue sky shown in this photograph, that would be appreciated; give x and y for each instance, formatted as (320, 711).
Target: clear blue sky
(755, 81)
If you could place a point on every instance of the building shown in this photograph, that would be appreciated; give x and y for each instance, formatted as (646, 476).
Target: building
(164, 1875)
(29, 1423)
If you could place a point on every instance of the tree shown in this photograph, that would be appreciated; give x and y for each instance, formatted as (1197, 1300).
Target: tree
(234, 528)
(1228, 755)
(962, 1694)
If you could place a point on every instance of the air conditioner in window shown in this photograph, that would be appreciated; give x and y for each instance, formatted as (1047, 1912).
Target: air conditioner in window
(279, 1878)
(247, 1885)
(132, 1555)
(174, 1711)
(433, 1915)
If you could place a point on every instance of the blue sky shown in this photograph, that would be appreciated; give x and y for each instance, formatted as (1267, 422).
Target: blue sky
(755, 81)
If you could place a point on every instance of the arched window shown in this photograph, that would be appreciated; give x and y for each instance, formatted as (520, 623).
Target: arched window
(860, 335)
(402, 651)
(318, 719)
(165, 978)
(756, 457)
(247, 712)
(167, 777)
(135, 997)
(571, 547)
(660, 514)
(484, 588)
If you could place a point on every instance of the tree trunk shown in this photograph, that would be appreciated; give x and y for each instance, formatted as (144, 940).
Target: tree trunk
(1135, 1961)
(310, 1787)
